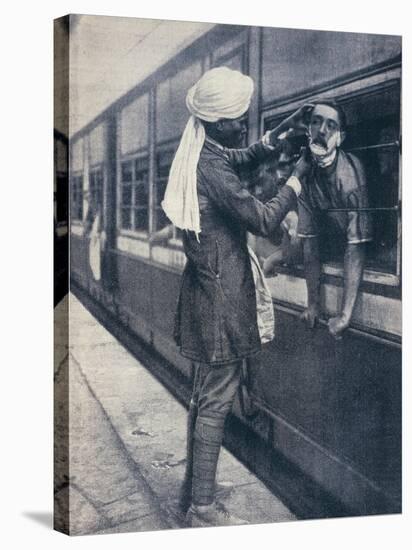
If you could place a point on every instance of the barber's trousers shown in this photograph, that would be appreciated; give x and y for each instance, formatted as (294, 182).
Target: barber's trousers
(214, 390)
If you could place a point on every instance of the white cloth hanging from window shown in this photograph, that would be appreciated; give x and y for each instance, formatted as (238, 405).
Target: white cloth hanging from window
(95, 249)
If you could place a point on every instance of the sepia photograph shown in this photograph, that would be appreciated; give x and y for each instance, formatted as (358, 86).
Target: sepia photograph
(208, 346)
(227, 274)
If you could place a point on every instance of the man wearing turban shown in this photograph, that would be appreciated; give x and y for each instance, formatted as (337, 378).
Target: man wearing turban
(219, 303)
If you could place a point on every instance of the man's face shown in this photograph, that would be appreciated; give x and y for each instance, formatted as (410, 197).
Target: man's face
(233, 131)
(323, 127)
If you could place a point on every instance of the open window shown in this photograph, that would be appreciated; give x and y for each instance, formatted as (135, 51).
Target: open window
(96, 185)
(134, 194)
(133, 167)
(234, 59)
(373, 135)
(77, 197)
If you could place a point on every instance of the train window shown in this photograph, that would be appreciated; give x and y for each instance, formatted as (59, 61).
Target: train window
(373, 128)
(373, 136)
(127, 171)
(232, 53)
(77, 198)
(77, 155)
(236, 60)
(126, 218)
(141, 219)
(96, 185)
(134, 194)
(97, 144)
(171, 111)
(134, 125)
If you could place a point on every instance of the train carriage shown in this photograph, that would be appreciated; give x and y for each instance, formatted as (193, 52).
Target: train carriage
(330, 408)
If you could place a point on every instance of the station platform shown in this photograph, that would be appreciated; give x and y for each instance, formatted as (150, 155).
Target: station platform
(127, 437)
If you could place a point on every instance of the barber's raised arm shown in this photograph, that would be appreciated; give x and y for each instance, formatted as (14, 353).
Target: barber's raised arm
(250, 157)
(228, 194)
(295, 124)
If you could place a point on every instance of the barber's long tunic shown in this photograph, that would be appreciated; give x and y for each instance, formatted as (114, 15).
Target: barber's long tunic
(216, 319)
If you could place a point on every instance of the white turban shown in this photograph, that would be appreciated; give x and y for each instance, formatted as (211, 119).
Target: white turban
(220, 93)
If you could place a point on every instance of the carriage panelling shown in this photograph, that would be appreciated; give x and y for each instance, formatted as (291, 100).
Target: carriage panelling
(79, 259)
(134, 285)
(285, 54)
(344, 396)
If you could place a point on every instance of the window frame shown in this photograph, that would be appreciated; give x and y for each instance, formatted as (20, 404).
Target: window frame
(133, 232)
(346, 92)
(229, 49)
(238, 50)
(75, 175)
(93, 170)
(159, 139)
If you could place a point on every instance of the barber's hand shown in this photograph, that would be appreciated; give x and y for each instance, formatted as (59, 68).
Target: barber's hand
(299, 119)
(290, 223)
(310, 315)
(337, 325)
(294, 125)
(304, 164)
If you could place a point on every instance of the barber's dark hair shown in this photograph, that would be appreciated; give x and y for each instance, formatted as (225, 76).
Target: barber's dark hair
(338, 108)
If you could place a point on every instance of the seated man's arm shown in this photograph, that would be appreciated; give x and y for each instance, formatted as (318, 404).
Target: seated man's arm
(311, 260)
(352, 268)
(308, 231)
(353, 264)
(359, 232)
(271, 262)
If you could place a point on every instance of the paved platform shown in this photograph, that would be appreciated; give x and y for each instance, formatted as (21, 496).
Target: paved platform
(127, 442)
